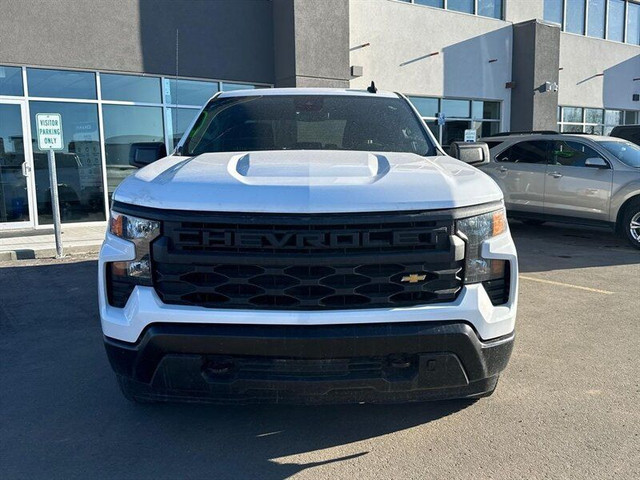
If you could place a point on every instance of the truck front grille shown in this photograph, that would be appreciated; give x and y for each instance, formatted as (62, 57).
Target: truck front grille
(307, 262)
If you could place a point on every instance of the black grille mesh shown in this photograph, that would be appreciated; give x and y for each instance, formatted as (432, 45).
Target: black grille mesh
(388, 260)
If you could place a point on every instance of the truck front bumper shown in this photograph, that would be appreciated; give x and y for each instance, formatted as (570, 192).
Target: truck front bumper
(385, 362)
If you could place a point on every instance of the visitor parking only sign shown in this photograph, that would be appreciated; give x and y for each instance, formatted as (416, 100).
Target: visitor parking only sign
(49, 127)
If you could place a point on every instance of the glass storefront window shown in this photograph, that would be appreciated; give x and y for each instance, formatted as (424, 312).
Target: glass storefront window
(427, 107)
(477, 107)
(130, 88)
(553, 11)
(595, 23)
(485, 129)
(481, 115)
(594, 129)
(490, 8)
(11, 81)
(615, 22)
(14, 200)
(596, 120)
(485, 110)
(465, 6)
(491, 110)
(61, 83)
(236, 86)
(633, 23)
(613, 117)
(456, 108)
(431, 3)
(597, 18)
(572, 129)
(188, 92)
(78, 166)
(631, 118)
(178, 122)
(453, 131)
(572, 114)
(161, 110)
(575, 16)
(125, 128)
(593, 115)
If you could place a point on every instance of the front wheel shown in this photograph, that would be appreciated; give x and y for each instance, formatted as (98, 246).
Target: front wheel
(631, 224)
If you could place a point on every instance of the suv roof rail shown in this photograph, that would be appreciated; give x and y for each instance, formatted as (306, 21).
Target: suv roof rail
(529, 132)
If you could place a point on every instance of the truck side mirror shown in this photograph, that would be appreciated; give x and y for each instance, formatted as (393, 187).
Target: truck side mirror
(144, 153)
(473, 153)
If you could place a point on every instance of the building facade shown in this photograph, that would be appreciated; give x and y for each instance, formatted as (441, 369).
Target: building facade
(129, 76)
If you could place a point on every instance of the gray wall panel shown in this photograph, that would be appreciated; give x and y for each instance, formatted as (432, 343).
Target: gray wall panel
(536, 58)
(322, 40)
(597, 73)
(224, 39)
(311, 41)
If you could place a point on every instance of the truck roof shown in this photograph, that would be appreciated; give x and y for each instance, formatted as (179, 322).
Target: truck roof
(306, 91)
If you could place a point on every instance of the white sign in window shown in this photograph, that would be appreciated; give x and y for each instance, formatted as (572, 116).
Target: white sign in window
(470, 135)
(49, 127)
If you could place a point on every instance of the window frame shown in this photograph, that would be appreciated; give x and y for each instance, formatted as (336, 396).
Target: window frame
(474, 5)
(99, 102)
(474, 122)
(585, 32)
(583, 124)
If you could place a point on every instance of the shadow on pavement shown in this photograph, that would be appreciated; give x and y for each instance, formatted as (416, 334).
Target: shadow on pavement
(555, 246)
(63, 416)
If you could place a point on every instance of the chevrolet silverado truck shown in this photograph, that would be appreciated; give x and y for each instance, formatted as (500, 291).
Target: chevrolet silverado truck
(308, 246)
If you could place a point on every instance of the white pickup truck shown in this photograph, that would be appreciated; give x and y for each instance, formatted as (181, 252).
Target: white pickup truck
(308, 245)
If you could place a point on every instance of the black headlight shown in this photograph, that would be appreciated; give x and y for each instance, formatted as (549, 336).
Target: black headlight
(493, 273)
(122, 277)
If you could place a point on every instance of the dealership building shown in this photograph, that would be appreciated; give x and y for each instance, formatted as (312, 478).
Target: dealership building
(129, 76)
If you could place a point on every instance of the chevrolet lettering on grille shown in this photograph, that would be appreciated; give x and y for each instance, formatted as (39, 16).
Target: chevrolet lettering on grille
(293, 240)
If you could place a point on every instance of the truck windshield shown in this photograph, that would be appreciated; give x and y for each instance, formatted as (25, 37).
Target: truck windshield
(625, 151)
(308, 122)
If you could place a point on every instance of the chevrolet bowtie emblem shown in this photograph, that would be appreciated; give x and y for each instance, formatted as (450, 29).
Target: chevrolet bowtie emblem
(413, 278)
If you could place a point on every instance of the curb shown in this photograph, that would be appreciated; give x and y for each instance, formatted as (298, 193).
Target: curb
(30, 254)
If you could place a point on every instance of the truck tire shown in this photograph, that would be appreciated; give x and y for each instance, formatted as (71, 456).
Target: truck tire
(630, 226)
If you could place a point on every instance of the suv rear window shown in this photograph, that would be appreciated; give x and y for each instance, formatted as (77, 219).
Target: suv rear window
(308, 122)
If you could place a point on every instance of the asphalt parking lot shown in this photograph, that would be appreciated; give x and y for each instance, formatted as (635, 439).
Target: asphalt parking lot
(566, 407)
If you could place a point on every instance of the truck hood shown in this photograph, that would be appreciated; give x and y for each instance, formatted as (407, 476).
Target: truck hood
(307, 181)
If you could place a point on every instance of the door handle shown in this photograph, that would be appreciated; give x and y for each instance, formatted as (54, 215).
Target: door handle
(503, 169)
(555, 174)
(26, 169)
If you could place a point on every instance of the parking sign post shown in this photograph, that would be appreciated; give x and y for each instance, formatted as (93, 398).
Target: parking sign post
(55, 203)
(50, 139)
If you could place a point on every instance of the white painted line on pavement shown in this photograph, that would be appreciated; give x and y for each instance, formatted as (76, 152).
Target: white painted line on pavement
(550, 282)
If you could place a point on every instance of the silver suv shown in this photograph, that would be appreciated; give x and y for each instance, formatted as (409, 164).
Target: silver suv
(547, 176)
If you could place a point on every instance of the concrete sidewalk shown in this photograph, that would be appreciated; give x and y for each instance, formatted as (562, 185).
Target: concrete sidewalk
(26, 244)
